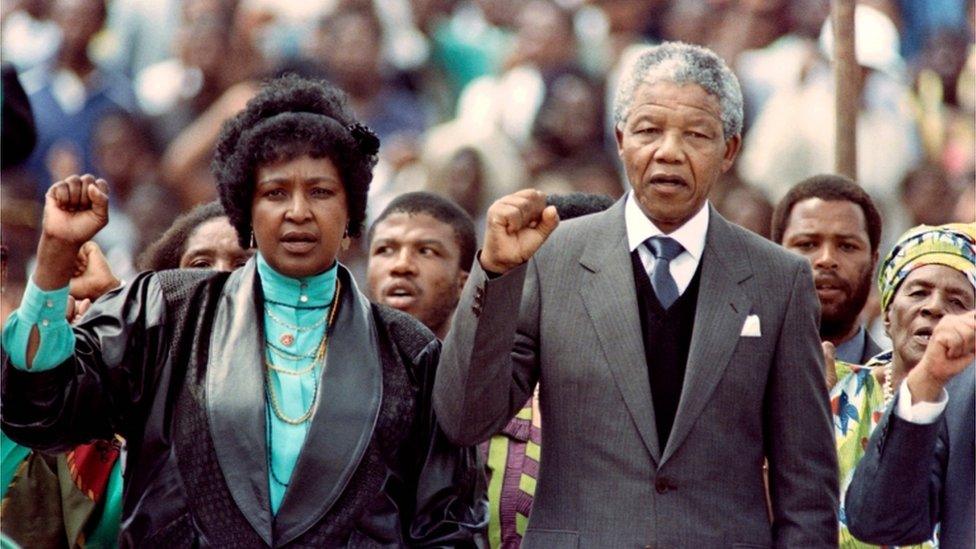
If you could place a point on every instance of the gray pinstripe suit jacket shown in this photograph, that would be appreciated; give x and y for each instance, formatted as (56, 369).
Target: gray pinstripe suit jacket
(568, 319)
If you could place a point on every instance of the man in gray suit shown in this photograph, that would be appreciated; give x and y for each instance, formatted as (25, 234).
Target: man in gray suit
(675, 351)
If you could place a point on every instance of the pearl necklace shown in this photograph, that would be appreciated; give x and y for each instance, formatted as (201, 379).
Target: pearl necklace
(888, 389)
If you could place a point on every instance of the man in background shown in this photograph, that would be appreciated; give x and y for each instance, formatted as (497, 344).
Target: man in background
(420, 251)
(832, 222)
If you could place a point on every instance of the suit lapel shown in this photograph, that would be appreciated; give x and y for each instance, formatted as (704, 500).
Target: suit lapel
(721, 311)
(342, 425)
(610, 299)
(235, 399)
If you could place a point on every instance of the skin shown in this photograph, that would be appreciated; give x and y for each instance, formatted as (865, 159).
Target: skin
(414, 266)
(213, 245)
(952, 348)
(833, 236)
(673, 150)
(79, 21)
(299, 214)
(927, 295)
(75, 209)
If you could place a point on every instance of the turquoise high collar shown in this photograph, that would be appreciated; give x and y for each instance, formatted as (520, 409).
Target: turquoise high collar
(310, 291)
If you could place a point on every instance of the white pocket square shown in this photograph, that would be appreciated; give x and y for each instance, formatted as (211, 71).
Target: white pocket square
(751, 327)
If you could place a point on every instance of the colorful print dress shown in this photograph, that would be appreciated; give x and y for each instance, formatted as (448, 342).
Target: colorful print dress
(857, 404)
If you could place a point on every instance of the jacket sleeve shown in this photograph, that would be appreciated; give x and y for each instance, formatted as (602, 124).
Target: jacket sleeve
(105, 385)
(451, 506)
(894, 496)
(803, 472)
(490, 363)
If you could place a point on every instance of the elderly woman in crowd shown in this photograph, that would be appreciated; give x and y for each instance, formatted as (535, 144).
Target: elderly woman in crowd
(269, 406)
(930, 273)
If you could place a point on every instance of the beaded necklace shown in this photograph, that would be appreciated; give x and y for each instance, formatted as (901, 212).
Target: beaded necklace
(887, 388)
(272, 405)
(319, 357)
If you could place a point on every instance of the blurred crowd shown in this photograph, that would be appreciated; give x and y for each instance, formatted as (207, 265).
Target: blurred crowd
(474, 99)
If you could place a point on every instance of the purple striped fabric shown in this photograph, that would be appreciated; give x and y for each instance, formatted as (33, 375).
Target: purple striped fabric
(511, 507)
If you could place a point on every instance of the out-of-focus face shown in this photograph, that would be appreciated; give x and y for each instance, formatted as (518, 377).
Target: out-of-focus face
(119, 152)
(926, 295)
(414, 267)
(213, 245)
(545, 36)
(833, 236)
(573, 116)
(930, 197)
(350, 47)
(299, 215)
(79, 21)
(673, 150)
(465, 172)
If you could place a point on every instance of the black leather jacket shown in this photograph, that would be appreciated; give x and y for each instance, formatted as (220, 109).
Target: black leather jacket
(172, 362)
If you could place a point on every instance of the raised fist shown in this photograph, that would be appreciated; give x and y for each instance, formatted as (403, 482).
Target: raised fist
(75, 209)
(517, 225)
(952, 346)
(92, 276)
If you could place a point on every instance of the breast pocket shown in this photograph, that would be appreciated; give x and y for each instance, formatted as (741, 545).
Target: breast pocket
(550, 539)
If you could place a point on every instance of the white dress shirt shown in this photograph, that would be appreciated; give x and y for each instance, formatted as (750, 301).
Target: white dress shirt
(922, 412)
(691, 236)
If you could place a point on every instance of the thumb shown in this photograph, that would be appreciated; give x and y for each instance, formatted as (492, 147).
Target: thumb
(550, 220)
(830, 363)
(98, 194)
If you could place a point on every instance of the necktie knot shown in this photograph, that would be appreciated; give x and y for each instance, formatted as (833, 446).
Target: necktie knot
(665, 248)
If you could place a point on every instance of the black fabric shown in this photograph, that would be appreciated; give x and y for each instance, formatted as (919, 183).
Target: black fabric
(19, 134)
(140, 369)
(667, 340)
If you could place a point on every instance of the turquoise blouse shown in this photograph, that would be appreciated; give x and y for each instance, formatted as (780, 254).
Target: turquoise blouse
(294, 307)
(295, 316)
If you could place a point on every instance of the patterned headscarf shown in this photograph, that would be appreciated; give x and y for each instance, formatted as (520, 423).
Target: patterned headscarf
(952, 245)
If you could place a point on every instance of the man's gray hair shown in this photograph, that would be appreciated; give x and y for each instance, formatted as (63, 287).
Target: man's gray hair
(682, 64)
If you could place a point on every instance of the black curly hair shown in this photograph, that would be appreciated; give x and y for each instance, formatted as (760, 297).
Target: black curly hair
(289, 118)
(165, 253)
(827, 187)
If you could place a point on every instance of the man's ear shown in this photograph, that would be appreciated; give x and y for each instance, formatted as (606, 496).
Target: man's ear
(732, 147)
(461, 280)
(619, 135)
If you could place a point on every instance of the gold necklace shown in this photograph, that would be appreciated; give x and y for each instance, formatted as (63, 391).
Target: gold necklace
(320, 356)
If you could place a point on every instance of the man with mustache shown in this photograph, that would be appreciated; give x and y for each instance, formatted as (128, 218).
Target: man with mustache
(832, 222)
(420, 251)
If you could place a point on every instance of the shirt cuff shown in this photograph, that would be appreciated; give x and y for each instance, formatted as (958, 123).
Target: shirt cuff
(46, 310)
(39, 305)
(922, 412)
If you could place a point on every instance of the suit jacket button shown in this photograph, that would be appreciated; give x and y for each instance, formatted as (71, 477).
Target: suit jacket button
(662, 485)
(476, 309)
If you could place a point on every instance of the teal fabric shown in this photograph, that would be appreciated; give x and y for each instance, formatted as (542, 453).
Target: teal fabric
(11, 456)
(46, 310)
(291, 302)
(106, 531)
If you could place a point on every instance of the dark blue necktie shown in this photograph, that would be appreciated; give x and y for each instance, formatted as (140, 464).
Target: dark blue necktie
(665, 249)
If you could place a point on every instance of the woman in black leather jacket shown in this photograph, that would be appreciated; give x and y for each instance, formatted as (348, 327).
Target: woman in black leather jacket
(270, 406)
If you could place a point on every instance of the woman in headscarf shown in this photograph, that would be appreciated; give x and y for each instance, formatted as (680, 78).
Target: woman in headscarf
(930, 272)
(270, 406)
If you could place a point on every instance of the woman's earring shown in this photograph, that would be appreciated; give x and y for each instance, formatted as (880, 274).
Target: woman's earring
(254, 244)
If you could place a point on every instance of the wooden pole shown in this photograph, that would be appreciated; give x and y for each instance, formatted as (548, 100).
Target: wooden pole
(847, 77)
